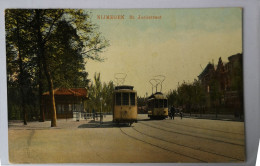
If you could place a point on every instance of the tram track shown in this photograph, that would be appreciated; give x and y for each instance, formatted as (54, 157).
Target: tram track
(182, 145)
(163, 148)
(191, 135)
(216, 133)
(203, 128)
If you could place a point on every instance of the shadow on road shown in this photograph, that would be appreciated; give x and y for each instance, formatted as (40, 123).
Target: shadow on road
(97, 124)
(144, 119)
(158, 119)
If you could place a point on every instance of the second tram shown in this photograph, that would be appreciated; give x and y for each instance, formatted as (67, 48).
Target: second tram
(157, 105)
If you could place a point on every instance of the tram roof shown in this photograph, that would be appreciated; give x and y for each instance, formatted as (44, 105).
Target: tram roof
(125, 87)
(157, 95)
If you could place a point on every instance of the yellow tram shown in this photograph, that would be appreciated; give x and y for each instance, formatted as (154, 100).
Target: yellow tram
(125, 105)
(157, 105)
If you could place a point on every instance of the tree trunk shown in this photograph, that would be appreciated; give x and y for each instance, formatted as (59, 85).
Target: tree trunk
(21, 75)
(42, 116)
(53, 108)
(41, 53)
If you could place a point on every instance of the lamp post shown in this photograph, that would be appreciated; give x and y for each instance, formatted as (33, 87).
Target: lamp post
(105, 104)
(101, 103)
(101, 117)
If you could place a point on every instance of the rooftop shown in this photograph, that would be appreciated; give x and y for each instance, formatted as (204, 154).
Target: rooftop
(81, 92)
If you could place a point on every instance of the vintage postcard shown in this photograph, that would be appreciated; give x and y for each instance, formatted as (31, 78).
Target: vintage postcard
(125, 85)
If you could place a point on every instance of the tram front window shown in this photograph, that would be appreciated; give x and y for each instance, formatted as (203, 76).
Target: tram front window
(125, 99)
(160, 103)
(156, 104)
(118, 98)
(132, 98)
(165, 102)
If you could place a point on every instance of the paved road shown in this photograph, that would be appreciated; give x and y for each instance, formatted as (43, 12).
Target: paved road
(179, 140)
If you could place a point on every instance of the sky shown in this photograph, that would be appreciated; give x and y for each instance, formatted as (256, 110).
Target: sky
(178, 46)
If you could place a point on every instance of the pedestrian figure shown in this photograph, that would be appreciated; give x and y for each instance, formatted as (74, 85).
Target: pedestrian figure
(181, 114)
(169, 112)
(172, 112)
(93, 113)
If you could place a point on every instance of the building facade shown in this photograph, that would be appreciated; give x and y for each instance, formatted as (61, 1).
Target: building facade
(223, 84)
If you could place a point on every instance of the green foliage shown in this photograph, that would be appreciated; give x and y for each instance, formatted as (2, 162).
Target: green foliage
(97, 92)
(223, 90)
(141, 101)
(54, 42)
(187, 96)
(66, 62)
(173, 98)
(15, 103)
(237, 77)
(19, 68)
(107, 95)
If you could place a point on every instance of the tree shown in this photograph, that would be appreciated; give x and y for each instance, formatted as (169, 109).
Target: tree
(18, 36)
(66, 62)
(57, 37)
(141, 101)
(215, 94)
(97, 90)
(173, 98)
(185, 93)
(199, 95)
(85, 39)
(188, 95)
(107, 93)
(236, 75)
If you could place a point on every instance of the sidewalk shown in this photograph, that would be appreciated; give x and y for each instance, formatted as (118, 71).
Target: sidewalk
(71, 123)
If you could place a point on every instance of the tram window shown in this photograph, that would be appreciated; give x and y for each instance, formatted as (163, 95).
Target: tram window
(125, 99)
(156, 104)
(165, 102)
(151, 104)
(118, 98)
(160, 103)
(132, 98)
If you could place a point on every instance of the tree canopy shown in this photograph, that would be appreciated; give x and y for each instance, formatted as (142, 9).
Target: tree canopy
(100, 94)
(48, 48)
